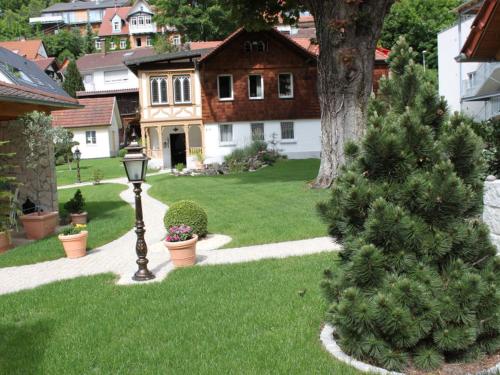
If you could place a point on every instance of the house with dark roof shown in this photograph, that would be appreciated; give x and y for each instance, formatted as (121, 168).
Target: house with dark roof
(24, 88)
(95, 127)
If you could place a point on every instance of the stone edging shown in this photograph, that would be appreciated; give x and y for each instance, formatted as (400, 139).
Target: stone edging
(328, 341)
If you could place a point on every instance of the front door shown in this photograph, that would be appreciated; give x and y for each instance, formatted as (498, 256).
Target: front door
(178, 149)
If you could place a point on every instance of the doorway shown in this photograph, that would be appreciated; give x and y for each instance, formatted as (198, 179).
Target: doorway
(178, 149)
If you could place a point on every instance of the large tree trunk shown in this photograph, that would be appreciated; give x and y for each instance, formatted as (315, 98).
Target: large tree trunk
(347, 33)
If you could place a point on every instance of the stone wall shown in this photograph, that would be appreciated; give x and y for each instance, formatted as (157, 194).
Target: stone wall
(12, 131)
(491, 213)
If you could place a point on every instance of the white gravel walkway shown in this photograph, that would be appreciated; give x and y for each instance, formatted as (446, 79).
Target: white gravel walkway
(119, 256)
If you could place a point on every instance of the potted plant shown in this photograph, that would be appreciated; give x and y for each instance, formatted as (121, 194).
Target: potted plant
(38, 136)
(5, 237)
(75, 206)
(74, 240)
(181, 243)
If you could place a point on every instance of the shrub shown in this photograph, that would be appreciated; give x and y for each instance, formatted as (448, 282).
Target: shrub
(179, 167)
(122, 153)
(252, 156)
(187, 213)
(73, 229)
(76, 204)
(97, 176)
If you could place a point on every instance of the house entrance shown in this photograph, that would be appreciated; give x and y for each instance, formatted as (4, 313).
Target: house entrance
(178, 148)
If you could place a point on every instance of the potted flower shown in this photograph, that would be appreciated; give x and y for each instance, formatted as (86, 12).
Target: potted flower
(181, 243)
(75, 206)
(74, 240)
(38, 136)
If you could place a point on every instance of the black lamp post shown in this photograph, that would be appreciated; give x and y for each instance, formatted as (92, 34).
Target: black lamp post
(77, 156)
(136, 165)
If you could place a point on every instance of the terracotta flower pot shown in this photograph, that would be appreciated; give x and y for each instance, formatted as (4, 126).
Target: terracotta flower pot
(5, 241)
(183, 253)
(75, 245)
(38, 226)
(79, 218)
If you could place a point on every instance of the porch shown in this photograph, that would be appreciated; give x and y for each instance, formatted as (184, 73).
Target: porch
(171, 144)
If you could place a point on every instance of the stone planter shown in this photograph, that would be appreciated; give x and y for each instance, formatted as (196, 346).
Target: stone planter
(5, 241)
(38, 226)
(79, 218)
(75, 245)
(183, 253)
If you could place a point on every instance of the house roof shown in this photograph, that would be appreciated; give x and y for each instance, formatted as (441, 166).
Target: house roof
(102, 60)
(45, 63)
(28, 83)
(97, 112)
(204, 45)
(134, 9)
(82, 5)
(24, 48)
(106, 27)
(83, 94)
(483, 42)
(133, 63)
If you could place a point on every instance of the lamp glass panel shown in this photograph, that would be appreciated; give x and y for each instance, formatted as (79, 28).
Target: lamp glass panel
(134, 169)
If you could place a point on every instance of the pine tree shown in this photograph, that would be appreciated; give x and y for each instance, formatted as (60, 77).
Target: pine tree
(89, 40)
(417, 277)
(73, 80)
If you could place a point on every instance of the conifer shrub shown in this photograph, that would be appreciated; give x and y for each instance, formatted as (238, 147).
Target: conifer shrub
(417, 279)
(75, 205)
(189, 213)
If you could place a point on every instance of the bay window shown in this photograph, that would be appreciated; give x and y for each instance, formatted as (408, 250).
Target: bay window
(158, 90)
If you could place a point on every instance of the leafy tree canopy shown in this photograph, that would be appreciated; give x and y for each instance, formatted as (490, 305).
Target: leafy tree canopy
(73, 81)
(70, 41)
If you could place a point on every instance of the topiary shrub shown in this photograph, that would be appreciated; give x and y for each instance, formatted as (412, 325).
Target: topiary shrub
(188, 213)
(417, 279)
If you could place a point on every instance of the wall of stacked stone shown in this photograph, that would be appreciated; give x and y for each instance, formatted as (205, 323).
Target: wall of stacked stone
(491, 213)
(12, 131)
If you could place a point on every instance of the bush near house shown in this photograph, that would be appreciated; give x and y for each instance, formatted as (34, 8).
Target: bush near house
(418, 277)
(188, 213)
(251, 157)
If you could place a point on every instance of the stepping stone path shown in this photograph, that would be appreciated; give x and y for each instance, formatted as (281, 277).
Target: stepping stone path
(119, 255)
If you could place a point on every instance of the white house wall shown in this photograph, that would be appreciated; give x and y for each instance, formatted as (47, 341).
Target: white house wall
(307, 142)
(103, 140)
(98, 83)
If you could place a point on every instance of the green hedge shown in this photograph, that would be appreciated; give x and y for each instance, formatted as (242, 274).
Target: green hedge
(188, 213)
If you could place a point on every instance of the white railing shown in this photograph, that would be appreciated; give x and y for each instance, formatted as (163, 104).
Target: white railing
(478, 77)
(47, 19)
(142, 29)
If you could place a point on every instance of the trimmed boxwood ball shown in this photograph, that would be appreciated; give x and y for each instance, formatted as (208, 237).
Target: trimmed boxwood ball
(189, 213)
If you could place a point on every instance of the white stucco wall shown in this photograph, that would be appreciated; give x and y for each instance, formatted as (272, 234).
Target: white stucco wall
(307, 142)
(103, 148)
(491, 213)
(98, 82)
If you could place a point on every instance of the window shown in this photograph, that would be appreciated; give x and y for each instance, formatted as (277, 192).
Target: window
(112, 45)
(225, 87)
(149, 42)
(148, 20)
(287, 132)
(133, 21)
(182, 89)
(285, 85)
(260, 46)
(247, 46)
(158, 90)
(90, 137)
(113, 76)
(88, 78)
(257, 131)
(176, 40)
(140, 20)
(255, 86)
(116, 26)
(138, 42)
(98, 45)
(123, 43)
(226, 133)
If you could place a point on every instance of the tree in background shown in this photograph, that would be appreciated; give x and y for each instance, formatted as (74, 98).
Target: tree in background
(64, 40)
(419, 21)
(197, 20)
(418, 276)
(89, 40)
(73, 80)
(162, 44)
(63, 143)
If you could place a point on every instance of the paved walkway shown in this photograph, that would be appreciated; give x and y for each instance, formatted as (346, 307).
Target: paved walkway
(119, 256)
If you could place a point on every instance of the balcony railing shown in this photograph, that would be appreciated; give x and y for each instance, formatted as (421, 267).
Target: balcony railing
(493, 108)
(47, 19)
(471, 86)
(142, 29)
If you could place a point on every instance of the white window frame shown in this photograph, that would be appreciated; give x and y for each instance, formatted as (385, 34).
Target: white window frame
(229, 142)
(232, 88)
(262, 86)
(149, 41)
(122, 73)
(260, 124)
(139, 20)
(133, 21)
(112, 45)
(159, 79)
(287, 140)
(123, 43)
(116, 29)
(147, 20)
(291, 86)
(176, 40)
(92, 138)
(182, 78)
(98, 45)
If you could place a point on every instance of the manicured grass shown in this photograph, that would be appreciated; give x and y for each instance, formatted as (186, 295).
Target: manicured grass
(236, 319)
(110, 217)
(110, 167)
(271, 205)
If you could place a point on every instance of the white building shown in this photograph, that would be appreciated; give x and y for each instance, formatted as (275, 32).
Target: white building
(95, 127)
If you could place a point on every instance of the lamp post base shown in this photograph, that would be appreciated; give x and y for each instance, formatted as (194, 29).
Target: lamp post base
(143, 275)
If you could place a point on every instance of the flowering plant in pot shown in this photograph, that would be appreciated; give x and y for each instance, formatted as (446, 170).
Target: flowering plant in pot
(181, 243)
(74, 240)
(75, 206)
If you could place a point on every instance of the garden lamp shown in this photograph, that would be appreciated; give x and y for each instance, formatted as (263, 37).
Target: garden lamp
(135, 161)
(77, 155)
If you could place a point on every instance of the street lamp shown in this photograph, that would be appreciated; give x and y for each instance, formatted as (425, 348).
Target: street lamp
(423, 57)
(136, 165)
(77, 155)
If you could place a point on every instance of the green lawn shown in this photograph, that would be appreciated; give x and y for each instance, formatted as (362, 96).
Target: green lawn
(235, 319)
(271, 205)
(110, 167)
(110, 217)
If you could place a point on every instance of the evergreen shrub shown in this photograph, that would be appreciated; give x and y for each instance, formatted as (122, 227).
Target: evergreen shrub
(76, 204)
(417, 279)
(189, 213)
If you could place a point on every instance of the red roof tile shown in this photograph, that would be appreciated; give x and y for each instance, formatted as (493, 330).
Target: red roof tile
(203, 45)
(110, 59)
(106, 27)
(97, 112)
(24, 48)
(18, 93)
(44, 63)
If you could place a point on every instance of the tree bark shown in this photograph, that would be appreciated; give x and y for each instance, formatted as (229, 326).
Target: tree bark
(347, 32)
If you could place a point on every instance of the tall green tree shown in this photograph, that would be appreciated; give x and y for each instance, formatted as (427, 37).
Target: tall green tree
(419, 21)
(65, 40)
(347, 33)
(197, 20)
(73, 81)
(418, 276)
(89, 40)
